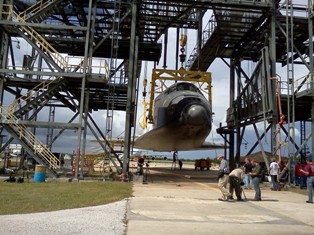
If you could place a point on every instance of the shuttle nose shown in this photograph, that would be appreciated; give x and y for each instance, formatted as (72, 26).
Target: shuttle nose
(196, 115)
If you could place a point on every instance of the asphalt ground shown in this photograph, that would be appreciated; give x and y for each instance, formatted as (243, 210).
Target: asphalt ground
(186, 202)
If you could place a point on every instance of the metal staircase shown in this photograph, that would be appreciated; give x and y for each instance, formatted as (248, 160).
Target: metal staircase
(32, 35)
(50, 88)
(40, 95)
(38, 12)
(12, 121)
(31, 144)
(209, 33)
(28, 106)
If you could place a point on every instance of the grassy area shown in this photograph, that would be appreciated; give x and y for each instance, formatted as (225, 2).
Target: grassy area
(19, 198)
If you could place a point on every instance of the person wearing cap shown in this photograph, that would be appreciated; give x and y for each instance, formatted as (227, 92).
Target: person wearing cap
(309, 172)
(256, 175)
(223, 178)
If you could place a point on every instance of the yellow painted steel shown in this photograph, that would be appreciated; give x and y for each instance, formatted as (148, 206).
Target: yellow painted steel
(38, 6)
(183, 40)
(31, 139)
(201, 79)
(143, 122)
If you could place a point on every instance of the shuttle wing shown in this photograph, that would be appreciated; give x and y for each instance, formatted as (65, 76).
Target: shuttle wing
(171, 139)
(212, 145)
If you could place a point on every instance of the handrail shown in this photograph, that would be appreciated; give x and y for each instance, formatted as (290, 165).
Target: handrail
(304, 83)
(32, 34)
(32, 140)
(42, 86)
(24, 133)
(102, 68)
(207, 32)
(34, 8)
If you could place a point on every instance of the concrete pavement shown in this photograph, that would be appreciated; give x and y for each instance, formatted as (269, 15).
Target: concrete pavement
(186, 202)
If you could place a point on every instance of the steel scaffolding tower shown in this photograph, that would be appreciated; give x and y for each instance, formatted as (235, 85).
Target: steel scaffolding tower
(67, 37)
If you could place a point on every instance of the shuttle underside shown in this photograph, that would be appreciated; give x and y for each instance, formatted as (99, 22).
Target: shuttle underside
(182, 121)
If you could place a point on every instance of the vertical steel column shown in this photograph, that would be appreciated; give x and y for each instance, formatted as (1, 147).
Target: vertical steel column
(272, 55)
(85, 64)
(89, 58)
(231, 104)
(165, 49)
(177, 48)
(85, 117)
(238, 105)
(131, 90)
(199, 37)
(4, 51)
(310, 28)
(3, 55)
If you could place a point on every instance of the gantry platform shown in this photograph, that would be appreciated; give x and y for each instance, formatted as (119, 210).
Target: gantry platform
(239, 30)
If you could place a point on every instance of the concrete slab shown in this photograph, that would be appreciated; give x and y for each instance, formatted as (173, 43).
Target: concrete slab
(186, 202)
(138, 179)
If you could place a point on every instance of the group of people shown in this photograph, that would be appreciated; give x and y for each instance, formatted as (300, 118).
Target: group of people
(251, 174)
(141, 160)
(304, 175)
(235, 179)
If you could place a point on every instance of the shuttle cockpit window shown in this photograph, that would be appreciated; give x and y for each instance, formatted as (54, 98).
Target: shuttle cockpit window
(171, 89)
(192, 88)
(187, 87)
(181, 87)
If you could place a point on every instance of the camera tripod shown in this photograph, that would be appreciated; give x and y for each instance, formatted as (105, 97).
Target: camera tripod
(147, 175)
(174, 165)
(242, 191)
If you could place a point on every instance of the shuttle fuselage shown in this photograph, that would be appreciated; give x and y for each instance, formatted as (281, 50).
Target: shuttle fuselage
(182, 120)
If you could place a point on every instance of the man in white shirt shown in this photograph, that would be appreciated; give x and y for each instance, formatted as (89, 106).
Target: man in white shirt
(274, 172)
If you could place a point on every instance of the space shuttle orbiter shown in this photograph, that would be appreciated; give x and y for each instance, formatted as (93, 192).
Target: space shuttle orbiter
(182, 121)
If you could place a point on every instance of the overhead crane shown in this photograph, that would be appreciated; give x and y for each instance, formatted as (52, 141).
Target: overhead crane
(161, 77)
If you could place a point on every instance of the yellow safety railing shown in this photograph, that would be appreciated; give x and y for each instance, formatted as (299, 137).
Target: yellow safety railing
(23, 99)
(33, 35)
(99, 66)
(39, 5)
(24, 133)
(199, 78)
(28, 137)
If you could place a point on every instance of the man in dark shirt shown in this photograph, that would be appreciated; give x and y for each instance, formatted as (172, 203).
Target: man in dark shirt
(140, 164)
(256, 175)
(247, 177)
